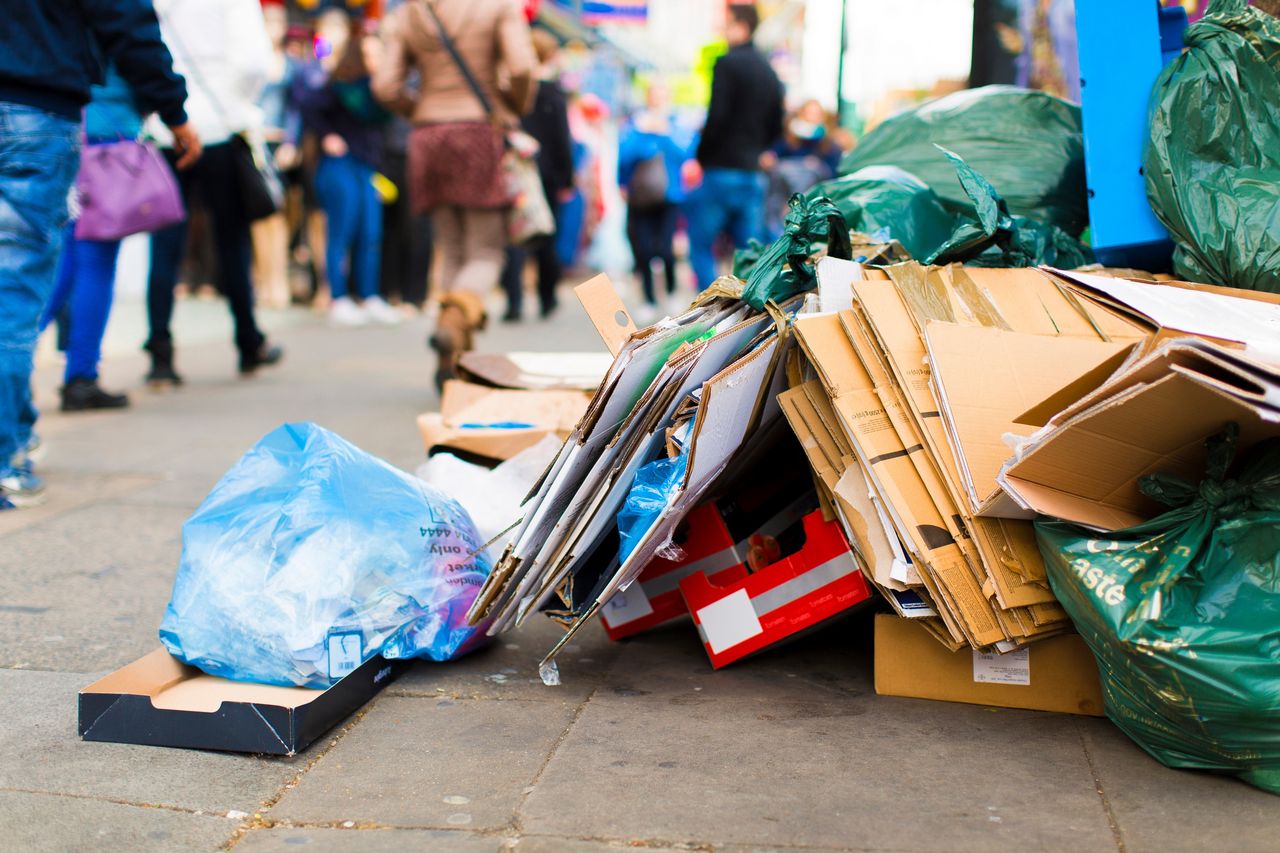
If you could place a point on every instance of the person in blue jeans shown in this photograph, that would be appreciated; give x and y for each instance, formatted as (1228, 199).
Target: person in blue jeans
(87, 272)
(339, 108)
(48, 61)
(744, 119)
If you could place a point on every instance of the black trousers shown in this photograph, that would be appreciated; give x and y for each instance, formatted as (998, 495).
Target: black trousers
(651, 232)
(406, 240)
(550, 269)
(213, 177)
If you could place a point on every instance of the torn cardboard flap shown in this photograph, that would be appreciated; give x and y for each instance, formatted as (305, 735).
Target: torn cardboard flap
(536, 371)
(604, 306)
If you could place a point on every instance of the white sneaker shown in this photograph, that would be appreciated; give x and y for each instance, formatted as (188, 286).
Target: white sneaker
(379, 311)
(344, 312)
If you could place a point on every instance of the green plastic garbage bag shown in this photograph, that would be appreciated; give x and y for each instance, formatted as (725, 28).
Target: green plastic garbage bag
(785, 267)
(885, 198)
(1029, 145)
(1183, 614)
(1213, 162)
(987, 235)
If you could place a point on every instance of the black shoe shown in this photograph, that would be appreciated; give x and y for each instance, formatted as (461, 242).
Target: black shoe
(265, 355)
(162, 373)
(512, 316)
(80, 395)
(548, 309)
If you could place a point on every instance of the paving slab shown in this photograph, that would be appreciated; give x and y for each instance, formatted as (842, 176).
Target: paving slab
(431, 763)
(43, 822)
(753, 761)
(311, 840)
(85, 591)
(40, 751)
(508, 669)
(1162, 809)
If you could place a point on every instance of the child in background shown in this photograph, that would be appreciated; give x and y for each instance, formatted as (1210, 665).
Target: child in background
(649, 166)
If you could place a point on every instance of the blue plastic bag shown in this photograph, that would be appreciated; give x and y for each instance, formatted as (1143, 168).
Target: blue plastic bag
(310, 556)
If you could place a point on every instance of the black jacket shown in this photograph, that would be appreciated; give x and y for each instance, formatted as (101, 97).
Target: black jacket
(548, 122)
(52, 51)
(745, 114)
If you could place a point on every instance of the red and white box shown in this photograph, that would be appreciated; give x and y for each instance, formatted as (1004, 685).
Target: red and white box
(654, 597)
(739, 612)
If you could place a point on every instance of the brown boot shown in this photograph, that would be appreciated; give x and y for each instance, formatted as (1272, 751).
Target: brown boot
(451, 338)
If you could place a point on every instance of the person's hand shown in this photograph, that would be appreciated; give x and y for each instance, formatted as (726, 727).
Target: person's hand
(186, 143)
(286, 156)
(334, 145)
(566, 195)
(768, 160)
(691, 174)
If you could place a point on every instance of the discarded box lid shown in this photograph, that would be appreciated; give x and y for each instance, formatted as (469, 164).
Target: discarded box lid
(159, 701)
(746, 612)
(536, 371)
(1054, 674)
(488, 424)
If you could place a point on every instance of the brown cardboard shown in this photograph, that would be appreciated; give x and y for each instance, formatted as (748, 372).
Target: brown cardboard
(606, 311)
(467, 412)
(1154, 418)
(986, 377)
(910, 662)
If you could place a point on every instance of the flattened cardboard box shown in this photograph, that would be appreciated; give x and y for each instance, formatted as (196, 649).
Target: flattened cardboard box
(1055, 674)
(159, 701)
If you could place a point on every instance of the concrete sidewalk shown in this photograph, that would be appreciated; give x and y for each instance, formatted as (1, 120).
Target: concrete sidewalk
(643, 745)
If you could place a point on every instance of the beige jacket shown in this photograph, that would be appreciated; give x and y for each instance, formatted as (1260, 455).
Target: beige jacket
(492, 37)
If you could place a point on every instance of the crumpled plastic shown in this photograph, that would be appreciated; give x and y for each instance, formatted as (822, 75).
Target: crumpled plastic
(1183, 614)
(1029, 144)
(885, 199)
(311, 556)
(786, 267)
(1212, 163)
(990, 236)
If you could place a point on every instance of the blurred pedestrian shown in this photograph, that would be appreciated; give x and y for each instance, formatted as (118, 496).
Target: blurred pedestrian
(221, 46)
(407, 241)
(339, 108)
(459, 48)
(85, 284)
(806, 154)
(649, 168)
(280, 120)
(744, 119)
(50, 56)
(547, 122)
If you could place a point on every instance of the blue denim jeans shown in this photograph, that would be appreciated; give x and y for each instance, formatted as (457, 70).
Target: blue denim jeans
(729, 200)
(353, 211)
(39, 156)
(86, 286)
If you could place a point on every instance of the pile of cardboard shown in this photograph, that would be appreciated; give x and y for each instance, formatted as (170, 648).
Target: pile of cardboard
(921, 375)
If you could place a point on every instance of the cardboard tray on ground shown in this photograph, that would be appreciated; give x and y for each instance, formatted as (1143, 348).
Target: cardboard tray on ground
(1054, 674)
(159, 701)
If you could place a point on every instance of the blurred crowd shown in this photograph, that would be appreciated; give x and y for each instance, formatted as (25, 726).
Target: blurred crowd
(370, 169)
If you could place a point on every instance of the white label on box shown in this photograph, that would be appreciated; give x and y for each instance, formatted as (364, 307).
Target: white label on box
(626, 605)
(346, 653)
(1011, 668)
(729, 621)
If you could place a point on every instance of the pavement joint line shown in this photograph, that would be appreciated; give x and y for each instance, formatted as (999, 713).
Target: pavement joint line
(459, 697)
(259, 819)
(551, 754)
(114, 801)
(1112, 820)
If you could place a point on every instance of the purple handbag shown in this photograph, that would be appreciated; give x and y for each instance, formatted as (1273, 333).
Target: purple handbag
(125, 188)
